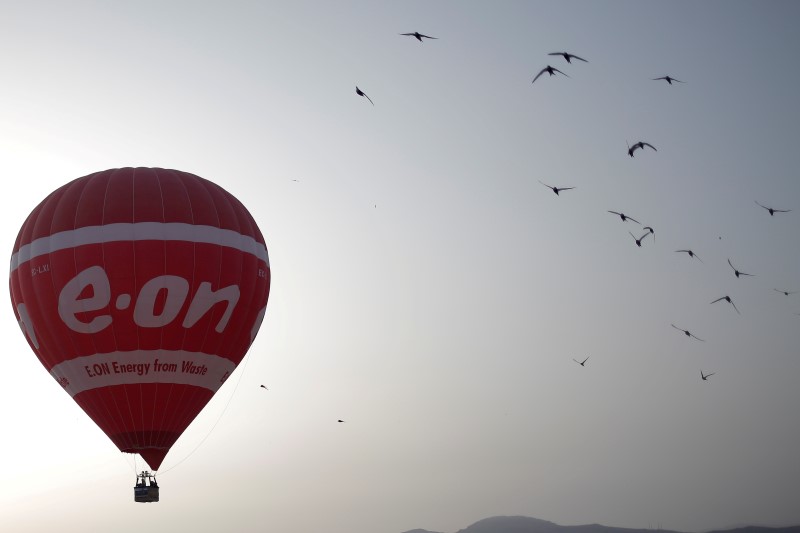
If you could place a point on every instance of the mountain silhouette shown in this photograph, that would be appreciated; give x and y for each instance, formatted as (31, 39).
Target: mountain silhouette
(512, 524)
(526, 524)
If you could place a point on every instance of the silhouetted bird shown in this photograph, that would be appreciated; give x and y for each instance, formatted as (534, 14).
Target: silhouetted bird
(555, 189)
(640, 239)
(772, 211)
(566, 55)
(550, 70)
(625, 217)
(687, 333)
(737, 272)
(640, 144)
(705, 376)
(419, 36)
(787, 293)
(264, 387)
(727, 299)
(691, 254)
(582, 363)
(359, 92)
(668, 79)
(340, 420)
(652, 232)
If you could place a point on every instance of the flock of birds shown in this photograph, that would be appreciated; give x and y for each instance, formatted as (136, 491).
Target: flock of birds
(632, 150)
(640, 145)
(649, 231)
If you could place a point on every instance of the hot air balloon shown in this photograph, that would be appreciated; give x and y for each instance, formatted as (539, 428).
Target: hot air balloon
(140, 290)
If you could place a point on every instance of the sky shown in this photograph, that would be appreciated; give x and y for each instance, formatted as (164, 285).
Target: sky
(426, 287)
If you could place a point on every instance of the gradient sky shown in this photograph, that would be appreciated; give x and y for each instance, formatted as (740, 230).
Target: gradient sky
(426, 288)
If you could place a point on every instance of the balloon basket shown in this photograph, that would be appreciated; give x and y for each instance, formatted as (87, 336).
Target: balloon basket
(146, 488)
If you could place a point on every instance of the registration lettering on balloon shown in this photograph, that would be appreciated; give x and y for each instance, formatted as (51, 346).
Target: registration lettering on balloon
(40, 269)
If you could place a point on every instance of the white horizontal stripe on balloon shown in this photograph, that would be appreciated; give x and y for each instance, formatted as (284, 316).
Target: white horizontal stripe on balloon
(139, 231)
(142, 366)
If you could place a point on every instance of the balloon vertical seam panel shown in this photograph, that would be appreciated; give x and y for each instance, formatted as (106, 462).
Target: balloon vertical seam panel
(140, 287)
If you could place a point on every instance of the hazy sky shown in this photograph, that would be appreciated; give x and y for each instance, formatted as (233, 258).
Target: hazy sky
(426, 288)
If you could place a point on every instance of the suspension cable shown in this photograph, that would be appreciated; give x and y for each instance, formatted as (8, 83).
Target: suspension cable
(230, 398)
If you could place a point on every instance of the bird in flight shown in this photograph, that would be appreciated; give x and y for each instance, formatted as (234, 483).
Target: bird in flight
(582, 363)
(787, 293)
(652, 232)
(264, 387)
(640, 239)
(668, 79)
(737, 272)
(772, 211)
(556, 189)
(640, 144)
(359, 92)
(340, 420)
(566, 55)
(419, 35)
(550, 70)
(727, 299)
(691, 254)
(687, 333)
(705, 376)
(625, 217)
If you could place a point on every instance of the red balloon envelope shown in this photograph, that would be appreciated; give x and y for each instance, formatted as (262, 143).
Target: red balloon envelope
(140, 290)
